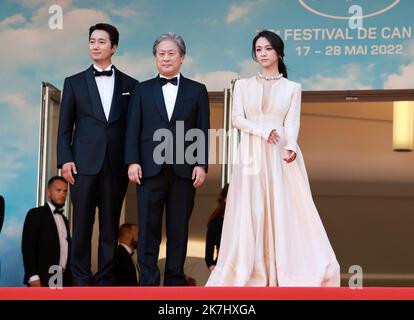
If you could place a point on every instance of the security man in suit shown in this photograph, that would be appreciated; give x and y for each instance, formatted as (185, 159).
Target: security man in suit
(126, 266)
(46, 239)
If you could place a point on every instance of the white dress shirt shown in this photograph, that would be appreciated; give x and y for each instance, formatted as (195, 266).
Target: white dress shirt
(170, 95)
(105, 86)
(63, 241)
(126, 248)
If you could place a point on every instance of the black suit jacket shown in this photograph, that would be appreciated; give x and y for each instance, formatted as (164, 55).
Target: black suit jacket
(40, 245)
(147, 113)
(125, 273)
(84, 134)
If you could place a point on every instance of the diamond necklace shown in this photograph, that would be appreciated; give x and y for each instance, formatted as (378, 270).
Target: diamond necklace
(280, 75)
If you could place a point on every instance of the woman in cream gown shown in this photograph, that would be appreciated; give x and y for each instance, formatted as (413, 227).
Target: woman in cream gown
(272, 233)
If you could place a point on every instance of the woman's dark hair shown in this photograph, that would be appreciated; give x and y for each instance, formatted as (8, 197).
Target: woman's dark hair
(277, 44)
(219, 212)
(113, 32)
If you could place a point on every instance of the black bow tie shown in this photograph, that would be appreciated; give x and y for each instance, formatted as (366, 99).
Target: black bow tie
(164, 81)
(102, 73)
(58, 211)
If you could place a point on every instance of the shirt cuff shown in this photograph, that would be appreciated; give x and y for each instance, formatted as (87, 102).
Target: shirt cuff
(266, 133)
(291, 148)
(34, 278)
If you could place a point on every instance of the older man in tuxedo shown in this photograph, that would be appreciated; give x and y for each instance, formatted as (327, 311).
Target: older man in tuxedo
(174, 110)
(90, 151)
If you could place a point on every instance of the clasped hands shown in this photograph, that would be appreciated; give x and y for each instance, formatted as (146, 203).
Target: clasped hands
(273, 139)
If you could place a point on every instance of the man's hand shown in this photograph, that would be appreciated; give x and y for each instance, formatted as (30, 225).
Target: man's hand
(35, 283)
(67, 170)
(290, 156)
(273, 137)
(135, 173)
(199, 174)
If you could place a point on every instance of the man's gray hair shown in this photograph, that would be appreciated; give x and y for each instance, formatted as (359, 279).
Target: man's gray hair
(172, 37)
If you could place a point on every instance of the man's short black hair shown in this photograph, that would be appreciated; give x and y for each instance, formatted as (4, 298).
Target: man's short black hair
(53, 179)
(113, 32)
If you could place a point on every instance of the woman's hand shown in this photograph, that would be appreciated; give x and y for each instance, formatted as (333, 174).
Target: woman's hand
(290, 156)
(273, 137)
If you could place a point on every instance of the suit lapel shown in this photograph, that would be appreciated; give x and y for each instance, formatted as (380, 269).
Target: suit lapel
(51, 221)
(116, 107)
(67, 228)
(179, 101)
(159, 100)
(94, 95)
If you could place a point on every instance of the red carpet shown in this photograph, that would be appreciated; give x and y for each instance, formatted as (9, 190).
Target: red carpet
(201, 293)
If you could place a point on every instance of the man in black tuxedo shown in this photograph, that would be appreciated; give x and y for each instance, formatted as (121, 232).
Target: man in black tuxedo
(46, 238)
(90, 151)
(167, 173)
(126, 269)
